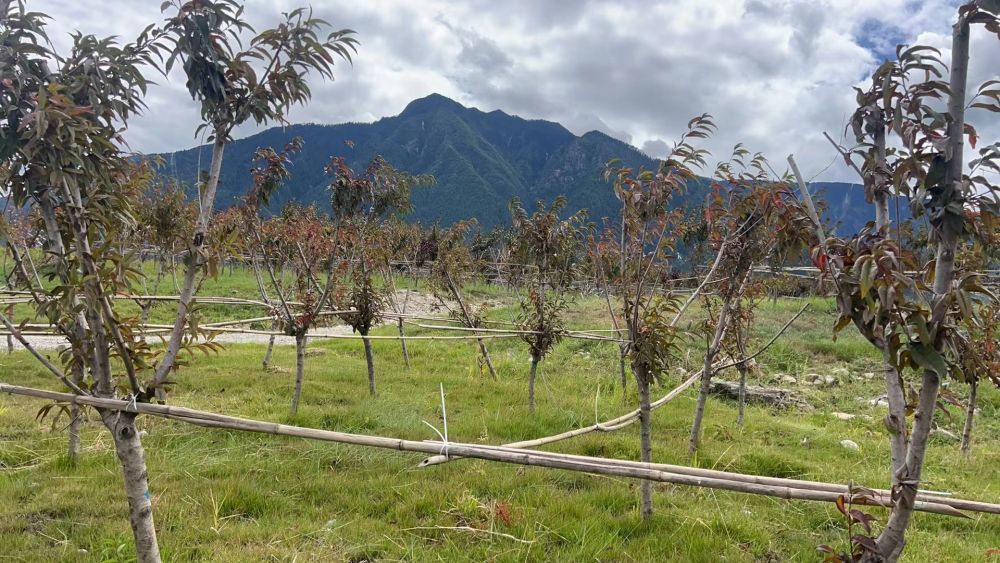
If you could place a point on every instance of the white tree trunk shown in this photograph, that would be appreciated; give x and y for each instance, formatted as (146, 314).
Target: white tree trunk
(970, 414)
(207, 205)
(891, 541)
(132, 459)
(300, 366)
(895, 420)
(645, 444)
(531, 383)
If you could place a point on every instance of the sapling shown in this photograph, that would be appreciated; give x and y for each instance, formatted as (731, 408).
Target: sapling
(234, 85)
(454, 265)
(545, 249)
(60, 147)
(643, 246)
(917, 315)
(361, 203)
(751, 217)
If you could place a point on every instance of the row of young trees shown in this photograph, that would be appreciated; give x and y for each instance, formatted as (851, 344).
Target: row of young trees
(63, 157)
(62, 153)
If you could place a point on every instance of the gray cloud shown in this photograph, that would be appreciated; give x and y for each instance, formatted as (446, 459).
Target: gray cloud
(775, 74)
(656, 148)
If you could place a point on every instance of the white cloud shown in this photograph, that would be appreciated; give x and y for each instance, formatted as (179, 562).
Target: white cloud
(774, 73)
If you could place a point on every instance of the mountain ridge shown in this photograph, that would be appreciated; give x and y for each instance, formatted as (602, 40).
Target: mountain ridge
(479, 159)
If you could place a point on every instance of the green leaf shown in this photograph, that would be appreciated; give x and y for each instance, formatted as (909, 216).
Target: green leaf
(928, 358)
(842, 322)
(867, 277)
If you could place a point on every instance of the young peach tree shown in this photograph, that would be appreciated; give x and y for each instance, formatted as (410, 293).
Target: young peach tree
(361, 204)
(236, 84)
(911, 311)
(454, 265)
(60, 152)
(752, 218)
(643, 246)
(545, 249)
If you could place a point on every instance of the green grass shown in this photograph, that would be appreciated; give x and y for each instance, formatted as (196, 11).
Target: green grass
(231, 496)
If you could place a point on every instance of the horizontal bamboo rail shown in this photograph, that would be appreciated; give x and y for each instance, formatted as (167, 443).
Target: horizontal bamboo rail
(595, 465)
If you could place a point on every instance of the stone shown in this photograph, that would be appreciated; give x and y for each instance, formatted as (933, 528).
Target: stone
(842, 415)
(944, 434)
(788, 379)
(769, 396)
(830, 381)
(850, 445)
(868, 375)
(882, 401)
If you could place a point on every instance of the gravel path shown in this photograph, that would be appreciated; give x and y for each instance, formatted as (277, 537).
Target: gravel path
(416, 304)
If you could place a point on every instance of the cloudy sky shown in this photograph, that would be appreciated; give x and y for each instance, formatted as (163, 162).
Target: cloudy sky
(774, 73)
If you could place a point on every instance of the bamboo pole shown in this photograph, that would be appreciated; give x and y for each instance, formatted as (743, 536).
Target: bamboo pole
(595, 465)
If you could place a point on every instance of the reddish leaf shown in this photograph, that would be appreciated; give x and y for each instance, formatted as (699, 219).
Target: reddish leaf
(503, 512)
(840, 505)
(862, 518)
(971, 132)
(865, 542)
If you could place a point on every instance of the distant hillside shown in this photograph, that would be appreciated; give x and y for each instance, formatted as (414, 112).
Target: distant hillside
(480, 160)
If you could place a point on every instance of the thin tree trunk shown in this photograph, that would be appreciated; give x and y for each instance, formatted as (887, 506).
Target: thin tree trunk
(891, 541)
(131, 456)
(57, 248)
(468, 321)
(699, 410)
(895, 421)
(75, 419)
(645, 441)
(487, 359)
(706, 375)
(10, 337)
(300, 366)
(622, 372)
(970, 413)
(73, 444)
(370, 360)
(881, 189)
(198, 245)
(531, 383)
(269, 350)
(402, 340)
(742, 402)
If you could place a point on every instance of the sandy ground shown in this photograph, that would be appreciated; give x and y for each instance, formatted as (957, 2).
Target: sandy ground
(415, 304)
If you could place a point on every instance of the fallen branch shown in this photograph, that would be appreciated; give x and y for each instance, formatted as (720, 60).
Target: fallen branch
(633, 416)
(472, 530)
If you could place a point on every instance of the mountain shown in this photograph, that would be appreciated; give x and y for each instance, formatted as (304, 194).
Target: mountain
(480, 161)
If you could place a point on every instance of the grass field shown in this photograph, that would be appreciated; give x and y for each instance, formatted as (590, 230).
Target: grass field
(230, 496)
